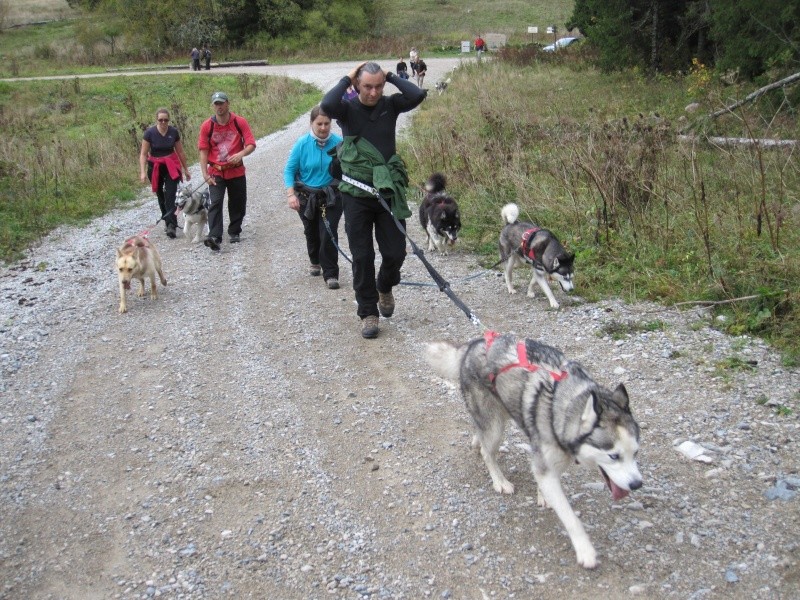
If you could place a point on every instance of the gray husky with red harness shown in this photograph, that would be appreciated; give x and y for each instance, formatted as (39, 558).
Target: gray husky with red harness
(566, 416)
(525, 243)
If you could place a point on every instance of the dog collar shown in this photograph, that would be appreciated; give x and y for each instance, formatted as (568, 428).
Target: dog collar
(522, 360)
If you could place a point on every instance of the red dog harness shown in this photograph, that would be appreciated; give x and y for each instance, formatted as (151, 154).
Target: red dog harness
(525, 246)
(522, 359)
(134, 241)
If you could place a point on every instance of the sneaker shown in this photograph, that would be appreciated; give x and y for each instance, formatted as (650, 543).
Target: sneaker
(234, 238)
(210, 242)
(170, 231)
(333, 283)
(386, 304)
(315, 270)
(369, 327)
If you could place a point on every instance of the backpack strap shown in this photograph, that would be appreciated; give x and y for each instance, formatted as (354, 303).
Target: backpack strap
(213, 120)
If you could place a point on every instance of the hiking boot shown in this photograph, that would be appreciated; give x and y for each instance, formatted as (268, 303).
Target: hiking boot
(170, 229)
(212, 243)
(315, 270)
(386, 304)
(333, 283)
(369, 327)
(234, 238)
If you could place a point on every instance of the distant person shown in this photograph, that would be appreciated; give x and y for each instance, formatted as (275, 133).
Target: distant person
(162, 161)
(195, 55)
(422, 68)
(480, 47)
(207, 57)
(310, 189)
(224, 140)
(413, 57)
(369, 155)
(402, 69)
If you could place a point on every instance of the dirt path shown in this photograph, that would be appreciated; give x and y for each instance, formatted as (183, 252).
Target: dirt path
(238, 438)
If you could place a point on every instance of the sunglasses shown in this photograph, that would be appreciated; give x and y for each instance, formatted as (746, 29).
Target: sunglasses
(163, 120)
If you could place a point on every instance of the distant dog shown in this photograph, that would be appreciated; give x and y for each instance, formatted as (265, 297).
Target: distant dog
(441, 86)
(138, 259)
(566, 416)
(438, 215)
(522, 242)
(194, 206)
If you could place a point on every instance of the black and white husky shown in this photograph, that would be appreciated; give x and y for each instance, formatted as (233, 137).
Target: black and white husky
(194, 206)
(564, 413)
(439, 215)
(522, 242)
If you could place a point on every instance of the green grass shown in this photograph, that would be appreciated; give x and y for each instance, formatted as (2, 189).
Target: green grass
(428, 23)
(35, 11)
(596, 159)
(70, 148)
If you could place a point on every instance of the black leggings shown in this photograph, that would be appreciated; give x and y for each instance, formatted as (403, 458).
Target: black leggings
(321, 249)
(166, 191)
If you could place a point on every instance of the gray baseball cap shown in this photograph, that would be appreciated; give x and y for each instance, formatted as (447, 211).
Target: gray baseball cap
(219, 97)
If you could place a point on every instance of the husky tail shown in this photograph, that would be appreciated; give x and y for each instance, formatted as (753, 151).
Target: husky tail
(436, 183)
(510, 213)
(445, 358)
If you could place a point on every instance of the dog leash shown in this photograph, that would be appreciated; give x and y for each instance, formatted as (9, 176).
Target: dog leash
(323, 214)
(443, 285)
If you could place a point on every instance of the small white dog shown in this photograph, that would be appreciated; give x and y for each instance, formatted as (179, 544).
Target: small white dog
(194, 206)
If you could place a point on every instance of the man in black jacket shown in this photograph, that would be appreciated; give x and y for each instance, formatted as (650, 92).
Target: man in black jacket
(372, 117)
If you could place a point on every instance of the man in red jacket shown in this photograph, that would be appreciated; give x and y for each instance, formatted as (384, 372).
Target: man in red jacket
(224, 140)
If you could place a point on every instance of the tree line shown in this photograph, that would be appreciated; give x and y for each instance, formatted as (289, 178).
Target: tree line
(158, 26)
(751, 37)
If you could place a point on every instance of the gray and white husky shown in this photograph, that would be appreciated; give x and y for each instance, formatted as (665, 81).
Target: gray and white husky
(564, 413)
(522, 242)
(194, 205)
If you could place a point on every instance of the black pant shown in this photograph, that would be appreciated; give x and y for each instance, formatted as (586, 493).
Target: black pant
(237, 205)
(165, 192)
(362, 215)
(321, 249)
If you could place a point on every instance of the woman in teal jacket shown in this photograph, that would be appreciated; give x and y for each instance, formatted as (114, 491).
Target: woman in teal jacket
(314, 194)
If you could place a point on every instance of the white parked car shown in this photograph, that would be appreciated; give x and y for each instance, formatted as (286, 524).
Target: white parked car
(562, 43)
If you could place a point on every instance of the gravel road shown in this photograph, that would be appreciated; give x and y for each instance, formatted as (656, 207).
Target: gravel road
(238, 438)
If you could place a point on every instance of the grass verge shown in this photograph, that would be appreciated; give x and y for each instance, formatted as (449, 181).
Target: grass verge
(598, 160)
(70, 148)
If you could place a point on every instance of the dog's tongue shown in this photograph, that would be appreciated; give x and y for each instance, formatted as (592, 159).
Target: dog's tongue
(616, 492)
(127, 285)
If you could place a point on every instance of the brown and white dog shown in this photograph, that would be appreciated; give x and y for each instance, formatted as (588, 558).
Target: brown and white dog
(138, 258)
